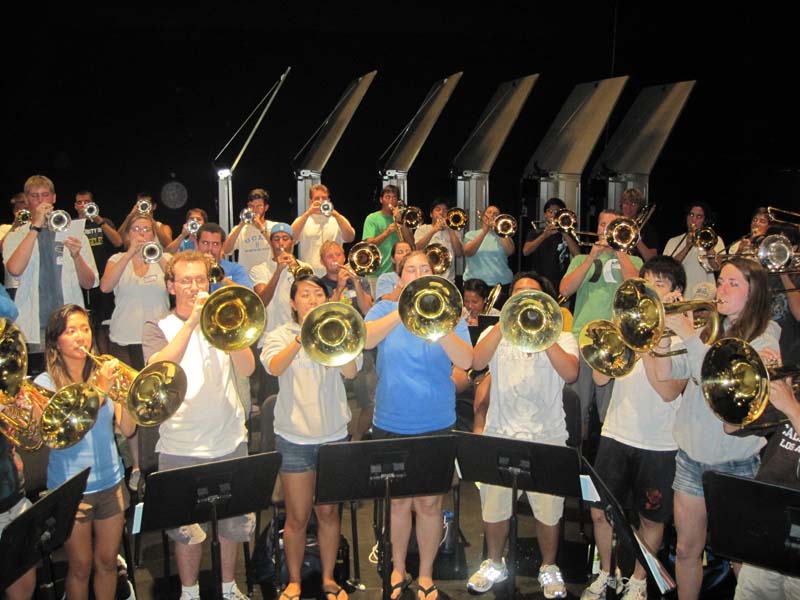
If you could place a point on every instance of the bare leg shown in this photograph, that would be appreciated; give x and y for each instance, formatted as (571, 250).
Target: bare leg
(328, 532)
(79, 557)
(652, 533)
(107, 536)
(22, 588)
(298, 489)
(548, 541)
(400, 534)
(228, 552)
(429, 534)
(602, 537)
(496, 536)
(188, 559)
(690, 522)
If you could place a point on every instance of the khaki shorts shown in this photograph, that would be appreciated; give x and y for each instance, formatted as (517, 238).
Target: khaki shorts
(104, 504)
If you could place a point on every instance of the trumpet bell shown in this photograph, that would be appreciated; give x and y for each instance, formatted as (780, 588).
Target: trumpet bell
(531, 321)
(439, 256)
(735, 381)
(58, 220)
(456, 218)
(639, 314)
(152, 252)
(156, 393)
(144, 207)
(430, 307)
(23, 216)
(193, 226)
(91, 210)
(602, 347)
(333, 334)
(247, 215)
(233, 318)
(326, 208)
(69, 415)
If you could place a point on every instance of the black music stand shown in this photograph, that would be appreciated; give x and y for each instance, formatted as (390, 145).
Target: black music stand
(385, 469)
(754, 521)
(522, 466)
(209, 492)
(34, 534)
(622, 531)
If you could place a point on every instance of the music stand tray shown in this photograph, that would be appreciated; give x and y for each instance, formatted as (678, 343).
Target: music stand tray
(209, 492)
(754, 521)
(39, 530)
(385, 469)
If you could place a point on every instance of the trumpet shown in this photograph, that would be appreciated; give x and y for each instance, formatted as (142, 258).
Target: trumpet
(326, 208)
(440, 258)
(247, 215)
(456, 218)
(152, 252)
(215, 272)
(333, 334)
(144, 206)
(430, 307)
(735, 381)
(411, 216)
(296, 268)
(91, 211)
(364, 259)
(531, 321)
(23, 217)
(151, 396)
(233, 318)
(193, 226)
(58, 220)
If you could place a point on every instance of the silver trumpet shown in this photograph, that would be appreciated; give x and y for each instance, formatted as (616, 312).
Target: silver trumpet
(193, 226)
(152, 252)
(58, 220)
(326, 208)
(91, 211)
(23, 217)
(144, 206)
(247, 215)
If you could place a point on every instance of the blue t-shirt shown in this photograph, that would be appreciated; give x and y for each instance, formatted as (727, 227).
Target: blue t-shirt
(415, 393)
(97, 450)
(385, 284)
(490, 262)
(235, 272)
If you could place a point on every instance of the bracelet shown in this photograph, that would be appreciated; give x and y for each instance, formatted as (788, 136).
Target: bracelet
(36, 228)
(297, 340)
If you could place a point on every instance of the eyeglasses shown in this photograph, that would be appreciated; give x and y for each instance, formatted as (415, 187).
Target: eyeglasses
(200, 281)
(137, 229)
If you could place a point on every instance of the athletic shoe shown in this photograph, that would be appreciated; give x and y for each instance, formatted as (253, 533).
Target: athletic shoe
(234, 594)
(597, 589)
(636, 589)
(552, 582)
(489, 573)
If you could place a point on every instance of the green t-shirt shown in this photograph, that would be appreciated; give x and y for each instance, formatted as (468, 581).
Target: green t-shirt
(374, 225)
(596, 292)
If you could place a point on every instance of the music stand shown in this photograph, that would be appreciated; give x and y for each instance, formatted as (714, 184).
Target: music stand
(522, 466)
(768, 536)
(622, 531)
(209, 492)
(385, 469)
(34, 534)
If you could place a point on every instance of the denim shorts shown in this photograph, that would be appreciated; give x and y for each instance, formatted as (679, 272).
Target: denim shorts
(689, 472)
(298, 458)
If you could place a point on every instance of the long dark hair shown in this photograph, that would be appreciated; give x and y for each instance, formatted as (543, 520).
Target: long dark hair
(755, 316)
(54, 362)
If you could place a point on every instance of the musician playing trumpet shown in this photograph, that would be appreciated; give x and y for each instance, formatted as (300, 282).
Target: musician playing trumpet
(252, 239)
(313, 228)
(437, 232)
(187, 240)
(210, 240)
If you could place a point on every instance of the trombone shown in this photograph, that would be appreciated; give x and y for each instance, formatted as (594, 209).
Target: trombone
(411, 216)
(151, 396)
(233, 318)
(333, 334)
(772, 212)
(531, 321)
(440, 257)
(456, 218)
(735, 381)
(504, 226)
(430, 307)
(364, 259)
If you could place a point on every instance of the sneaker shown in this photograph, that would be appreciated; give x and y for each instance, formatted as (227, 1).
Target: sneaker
(489, 573)
(234, 594)
(188, 596)
(597, 589)
(636, 589)
(124, 586)
(134, 479)
(552, 582)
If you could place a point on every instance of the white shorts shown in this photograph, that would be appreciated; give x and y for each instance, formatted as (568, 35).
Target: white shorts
(496, 505)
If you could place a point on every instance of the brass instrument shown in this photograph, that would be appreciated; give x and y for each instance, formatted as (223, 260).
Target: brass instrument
(456, 218)
(566, 220)
(296, 268)
(193, 226)
(504, 226)
(492, 298)
(411, 216)
(233, 318)
(531, 321)
(215, 272)
(151, 396)
(144, 206)
(706, 238)
(152, 252)
(58, 220)
(364, 259)
(23, 217)
(735, 381)
(247, 215)
(622, 234)
(333, 334)
(602, 347)
(326, 208)
(439, 256)
(772, 212)
(430, 307)
(776, 254)
(91, 210)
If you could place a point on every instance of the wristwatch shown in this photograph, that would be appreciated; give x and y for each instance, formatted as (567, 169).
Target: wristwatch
(36, 228)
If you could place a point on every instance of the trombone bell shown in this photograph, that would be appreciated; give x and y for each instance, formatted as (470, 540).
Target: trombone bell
(440, 258)
(233, 318)
(531, 321)
(333, 334)
(430, 307)
(602, 347)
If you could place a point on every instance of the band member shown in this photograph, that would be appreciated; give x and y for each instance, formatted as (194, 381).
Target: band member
(437, 232)
(140, 294)
(637, 450)
(64, 269)
(163, 231)
(759, 227)
(188, 240)
(211, 238)
(313, 228)
(415, 396)
(96, 535)
(631, 205)
(594, 278)
(384, 228)
(702, 442)
(311, 409)
(19, 202)
(550, 251)
(526, 403)
(487, 253)
(210, 423)
(684, 248)
(252, 239)
(387, 282)
(476, 294)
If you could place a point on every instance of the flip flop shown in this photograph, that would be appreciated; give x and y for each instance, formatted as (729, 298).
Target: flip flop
(429, 590)
(334, 594)
(400, 585)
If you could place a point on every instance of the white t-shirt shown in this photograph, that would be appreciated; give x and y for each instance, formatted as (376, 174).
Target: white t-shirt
(312, 403)
(136, 300)
(253, 246)
(695, 273)
(279, 309)
(317, 229)
(526, 395)
(440, 237)
(637, 416)
(10, 281)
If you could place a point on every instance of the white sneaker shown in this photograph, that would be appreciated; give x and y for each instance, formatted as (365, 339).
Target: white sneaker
(234, 594)
(188, 596)
(635, 590)
(552, 582)
(597, 589)
(489, 573)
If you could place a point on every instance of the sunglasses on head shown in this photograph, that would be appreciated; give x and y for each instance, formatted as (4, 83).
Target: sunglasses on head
(255, 197)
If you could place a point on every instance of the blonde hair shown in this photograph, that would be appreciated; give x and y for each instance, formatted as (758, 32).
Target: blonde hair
(39, 181)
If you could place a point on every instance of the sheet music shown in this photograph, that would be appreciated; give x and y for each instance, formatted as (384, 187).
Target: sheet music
(75, 229)
(588, 491)
(660, 575)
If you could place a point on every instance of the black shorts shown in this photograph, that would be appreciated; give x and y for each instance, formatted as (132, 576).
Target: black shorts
(646, 474)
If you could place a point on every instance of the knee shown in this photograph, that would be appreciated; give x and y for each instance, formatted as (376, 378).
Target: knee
(327, 513)
(80, 568)
(598, 517)
(105, 562)
(428, 506)
(688, 549)
(296, 521)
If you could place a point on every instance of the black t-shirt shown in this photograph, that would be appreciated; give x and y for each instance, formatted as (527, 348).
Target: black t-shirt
(101, 247)
(649, 237)
(349, 295)
(10, 489)
(550, 259)
(781, 456)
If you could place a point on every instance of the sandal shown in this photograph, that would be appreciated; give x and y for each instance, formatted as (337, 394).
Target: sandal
(400, 585)
(428, 591)
(334, 594)
(285, 596)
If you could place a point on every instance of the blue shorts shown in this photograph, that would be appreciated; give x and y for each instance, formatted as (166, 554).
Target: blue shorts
(689, 472)
(298, 458)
